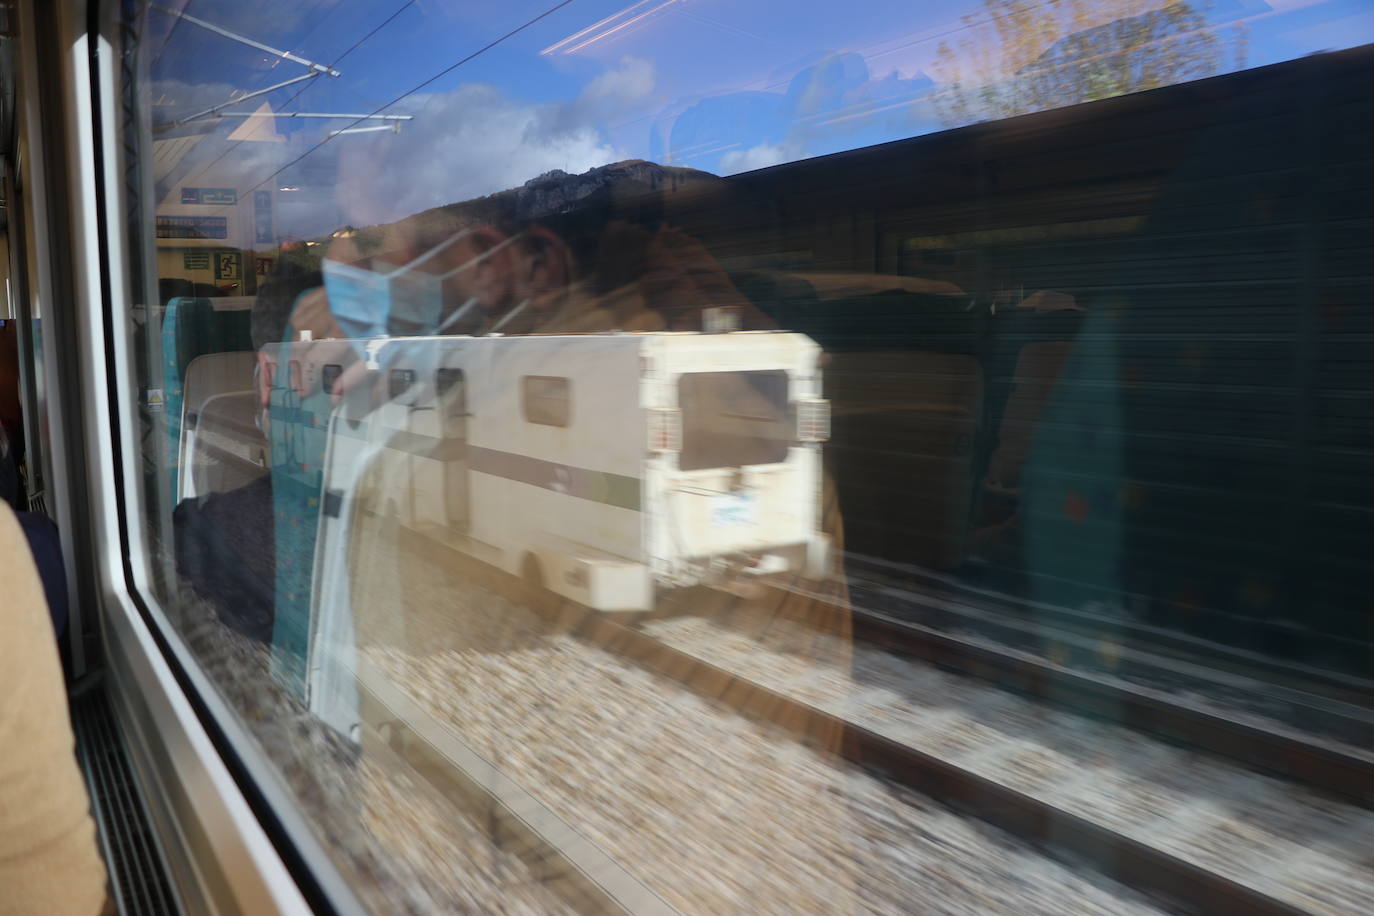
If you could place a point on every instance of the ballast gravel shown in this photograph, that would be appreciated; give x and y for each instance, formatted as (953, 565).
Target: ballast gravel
(1286, 841)
(711, 811)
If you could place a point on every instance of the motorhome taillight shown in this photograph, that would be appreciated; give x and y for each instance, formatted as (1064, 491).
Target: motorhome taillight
(665, 429)
(813, 420)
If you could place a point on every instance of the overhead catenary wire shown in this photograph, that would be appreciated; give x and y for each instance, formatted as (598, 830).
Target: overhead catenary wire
(167, 39)
(245, 40)
(416, 88)
(297, 94)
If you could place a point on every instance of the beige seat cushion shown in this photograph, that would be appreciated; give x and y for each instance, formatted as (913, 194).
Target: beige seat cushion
(49, 863)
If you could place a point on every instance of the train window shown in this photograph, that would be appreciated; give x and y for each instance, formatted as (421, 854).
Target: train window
(446, 380)
(546, 400)
(1005, 553)
(400, 381)
(329, 376)
(451, 388)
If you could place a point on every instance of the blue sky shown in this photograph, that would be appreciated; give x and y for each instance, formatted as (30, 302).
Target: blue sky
(719, 85)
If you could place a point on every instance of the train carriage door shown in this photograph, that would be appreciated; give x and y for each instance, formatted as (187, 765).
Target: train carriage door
(451, 391)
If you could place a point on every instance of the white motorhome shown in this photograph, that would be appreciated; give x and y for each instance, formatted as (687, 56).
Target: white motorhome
(601, 466)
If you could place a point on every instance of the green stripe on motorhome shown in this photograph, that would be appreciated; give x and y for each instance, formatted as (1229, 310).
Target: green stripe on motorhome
(428, 446)
(597, 486)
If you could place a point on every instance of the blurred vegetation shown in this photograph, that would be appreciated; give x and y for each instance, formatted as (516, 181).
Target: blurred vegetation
(1018, 56)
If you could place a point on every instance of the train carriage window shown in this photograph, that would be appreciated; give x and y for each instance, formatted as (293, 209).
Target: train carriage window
(1067, 614)
(451, 392)
(329, 375)
(546, 400)
(400, 381)
(449, 380)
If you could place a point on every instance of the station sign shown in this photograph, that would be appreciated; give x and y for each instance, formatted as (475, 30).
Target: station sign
(219, 196)
(192, 227)
(195, 260)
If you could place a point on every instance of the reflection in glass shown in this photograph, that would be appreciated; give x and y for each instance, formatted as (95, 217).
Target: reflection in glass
(760, 457)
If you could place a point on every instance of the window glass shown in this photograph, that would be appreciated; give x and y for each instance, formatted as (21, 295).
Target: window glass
(967, 507)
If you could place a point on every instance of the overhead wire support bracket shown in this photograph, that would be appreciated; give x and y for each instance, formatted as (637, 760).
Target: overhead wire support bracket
(394, 127)
(215, 108)
(314, 114)
(235, 36)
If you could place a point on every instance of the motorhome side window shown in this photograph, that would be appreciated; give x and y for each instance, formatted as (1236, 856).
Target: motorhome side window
(546, 400)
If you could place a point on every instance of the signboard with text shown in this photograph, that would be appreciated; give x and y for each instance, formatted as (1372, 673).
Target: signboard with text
(195, 260)
(192, 227)
(209, 196)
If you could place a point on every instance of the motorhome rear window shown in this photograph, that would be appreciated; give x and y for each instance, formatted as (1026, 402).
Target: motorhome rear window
(731, 419)
(546, 400)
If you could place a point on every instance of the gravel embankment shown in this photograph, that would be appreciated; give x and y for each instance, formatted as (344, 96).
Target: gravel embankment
(713, 812)
(402, 846)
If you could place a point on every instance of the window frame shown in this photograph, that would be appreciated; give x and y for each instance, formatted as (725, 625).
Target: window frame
(226, 825)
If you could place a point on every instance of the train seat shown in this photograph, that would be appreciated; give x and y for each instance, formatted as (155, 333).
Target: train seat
(221, 447)
(193, 327)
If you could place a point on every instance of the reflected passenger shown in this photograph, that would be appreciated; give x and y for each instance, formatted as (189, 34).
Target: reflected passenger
(225, 542)
(639, 277)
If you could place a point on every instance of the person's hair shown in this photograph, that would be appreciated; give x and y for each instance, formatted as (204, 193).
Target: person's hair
(272, 306)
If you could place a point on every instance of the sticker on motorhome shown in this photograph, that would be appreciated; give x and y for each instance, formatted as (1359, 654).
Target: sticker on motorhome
(732, 510)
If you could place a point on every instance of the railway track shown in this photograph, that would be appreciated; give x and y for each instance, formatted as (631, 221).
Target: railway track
(1185, 881)
(944, 602)
(1316, 765)
(1077, 840)
(664, 779)
(1312, 763)
(1104, 656)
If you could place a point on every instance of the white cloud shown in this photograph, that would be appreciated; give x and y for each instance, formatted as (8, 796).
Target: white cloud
(464, 144)
(632, 81)
(468, 142)
(756, 157)
(476, 140)
(171, 99)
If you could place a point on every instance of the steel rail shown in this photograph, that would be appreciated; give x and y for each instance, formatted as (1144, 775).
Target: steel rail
(1315, 765)
(977, 606)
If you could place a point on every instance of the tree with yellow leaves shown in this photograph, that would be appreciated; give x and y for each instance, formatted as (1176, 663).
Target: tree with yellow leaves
(1019, 56)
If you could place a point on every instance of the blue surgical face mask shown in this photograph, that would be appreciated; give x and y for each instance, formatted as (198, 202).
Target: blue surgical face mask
(360, 299)
(398, 301)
